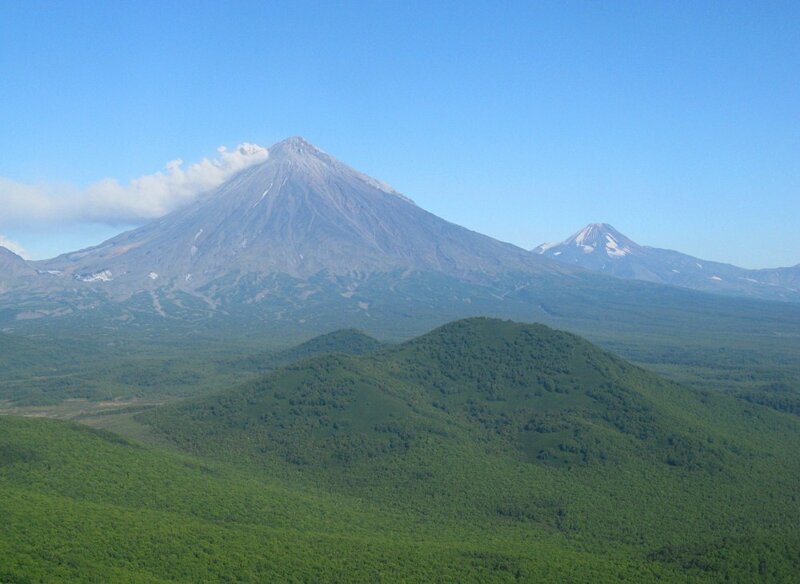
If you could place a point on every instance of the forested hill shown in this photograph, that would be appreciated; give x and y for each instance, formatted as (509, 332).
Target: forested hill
(486, 421)
(346, 341)
(495, 380)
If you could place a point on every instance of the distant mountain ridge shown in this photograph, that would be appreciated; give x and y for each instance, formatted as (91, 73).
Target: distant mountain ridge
(601, 248)
(302, 244)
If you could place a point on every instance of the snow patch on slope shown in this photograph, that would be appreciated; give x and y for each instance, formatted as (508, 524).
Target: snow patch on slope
(584, 235)
(613, 248)
(102, 276)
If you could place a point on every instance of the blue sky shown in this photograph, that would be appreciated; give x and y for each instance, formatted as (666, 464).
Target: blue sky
(677, 122)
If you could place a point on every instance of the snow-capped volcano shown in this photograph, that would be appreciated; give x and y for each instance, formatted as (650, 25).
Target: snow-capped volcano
(599, 238)
(600, 247)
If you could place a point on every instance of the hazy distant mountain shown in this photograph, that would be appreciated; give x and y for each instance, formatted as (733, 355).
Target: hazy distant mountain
(602, 248)
(14, 271)
(12, 264)
(299, 213)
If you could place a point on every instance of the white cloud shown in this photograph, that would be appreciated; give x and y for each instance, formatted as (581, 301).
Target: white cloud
(13, 246)
(108, 201)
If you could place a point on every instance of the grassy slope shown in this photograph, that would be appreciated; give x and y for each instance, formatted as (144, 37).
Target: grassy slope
(520, 429)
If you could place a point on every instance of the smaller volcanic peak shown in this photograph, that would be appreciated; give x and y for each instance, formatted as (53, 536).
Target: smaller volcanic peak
(600, 238)
(600, 247)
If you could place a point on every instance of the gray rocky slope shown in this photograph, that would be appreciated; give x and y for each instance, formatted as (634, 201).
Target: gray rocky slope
(15, 272)
(600, 247)
(300, 213)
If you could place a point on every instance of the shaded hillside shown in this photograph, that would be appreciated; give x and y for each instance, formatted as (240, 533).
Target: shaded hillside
(489, 421)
